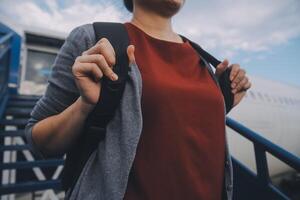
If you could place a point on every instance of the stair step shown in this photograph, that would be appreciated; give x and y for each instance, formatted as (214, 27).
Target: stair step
(11, 133)
(14, 122)
(31, 164)
(14, 147)
(25, 112)
(23, 104)
(30, 186)
(24, 97)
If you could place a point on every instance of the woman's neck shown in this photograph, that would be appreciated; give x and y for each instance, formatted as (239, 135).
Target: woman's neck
(154, 25)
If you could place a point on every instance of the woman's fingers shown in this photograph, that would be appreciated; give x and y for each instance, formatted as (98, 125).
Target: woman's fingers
(241, 84)
(101, 62)
(84, 69)
(103, 47)
(130, 53)
(221, 67)
(104, 56)
(234, 71)
(247, 85)
(239, 77)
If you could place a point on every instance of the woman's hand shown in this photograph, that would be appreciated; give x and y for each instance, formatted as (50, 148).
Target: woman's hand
(92, 65)
(239, 81)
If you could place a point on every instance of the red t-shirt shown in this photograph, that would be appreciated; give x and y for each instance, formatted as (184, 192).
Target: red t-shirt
(181, 150)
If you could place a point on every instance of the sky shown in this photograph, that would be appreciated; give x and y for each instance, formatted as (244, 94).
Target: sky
(263, 36)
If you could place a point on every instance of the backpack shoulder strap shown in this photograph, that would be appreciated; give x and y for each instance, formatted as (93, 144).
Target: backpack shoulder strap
(111, 93)
(224, 81)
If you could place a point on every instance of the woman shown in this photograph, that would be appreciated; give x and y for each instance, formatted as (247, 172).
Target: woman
(167, 140)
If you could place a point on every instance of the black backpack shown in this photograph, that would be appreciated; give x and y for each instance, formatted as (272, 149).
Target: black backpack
(111, 94)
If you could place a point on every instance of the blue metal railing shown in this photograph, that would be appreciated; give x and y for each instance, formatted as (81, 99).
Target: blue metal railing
(10, 49)
(262, 145)
(262, 178)
(5, 47)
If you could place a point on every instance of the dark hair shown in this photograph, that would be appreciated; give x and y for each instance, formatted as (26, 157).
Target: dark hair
(129, 5)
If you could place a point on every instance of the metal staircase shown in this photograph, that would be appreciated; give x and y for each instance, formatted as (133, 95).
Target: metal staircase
(21, 171)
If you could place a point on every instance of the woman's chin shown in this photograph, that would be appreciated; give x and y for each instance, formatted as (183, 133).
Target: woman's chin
(171, 7)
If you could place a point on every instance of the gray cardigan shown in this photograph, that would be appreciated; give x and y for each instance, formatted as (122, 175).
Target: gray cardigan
(106, 172)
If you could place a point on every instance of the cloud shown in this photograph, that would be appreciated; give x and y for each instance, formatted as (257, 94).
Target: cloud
(245, 25)
(230, 26)
(60, 17)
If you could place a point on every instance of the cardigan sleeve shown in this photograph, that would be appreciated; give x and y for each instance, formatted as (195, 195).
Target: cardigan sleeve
(61, 90)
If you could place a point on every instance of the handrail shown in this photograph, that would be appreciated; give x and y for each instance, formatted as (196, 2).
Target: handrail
(5, 38)
(267, 145)
(3, 50)
(4, 69)
(10, 49)
(261, 146)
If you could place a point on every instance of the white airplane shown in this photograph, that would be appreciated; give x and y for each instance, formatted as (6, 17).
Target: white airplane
(271, 109)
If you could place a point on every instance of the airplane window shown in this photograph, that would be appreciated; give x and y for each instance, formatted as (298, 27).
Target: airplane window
(286, 100)
(260, 95)
(38, 66)
(252, 94)
(267, 97)
(290, 100)
(272, 98)
(281, 100)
